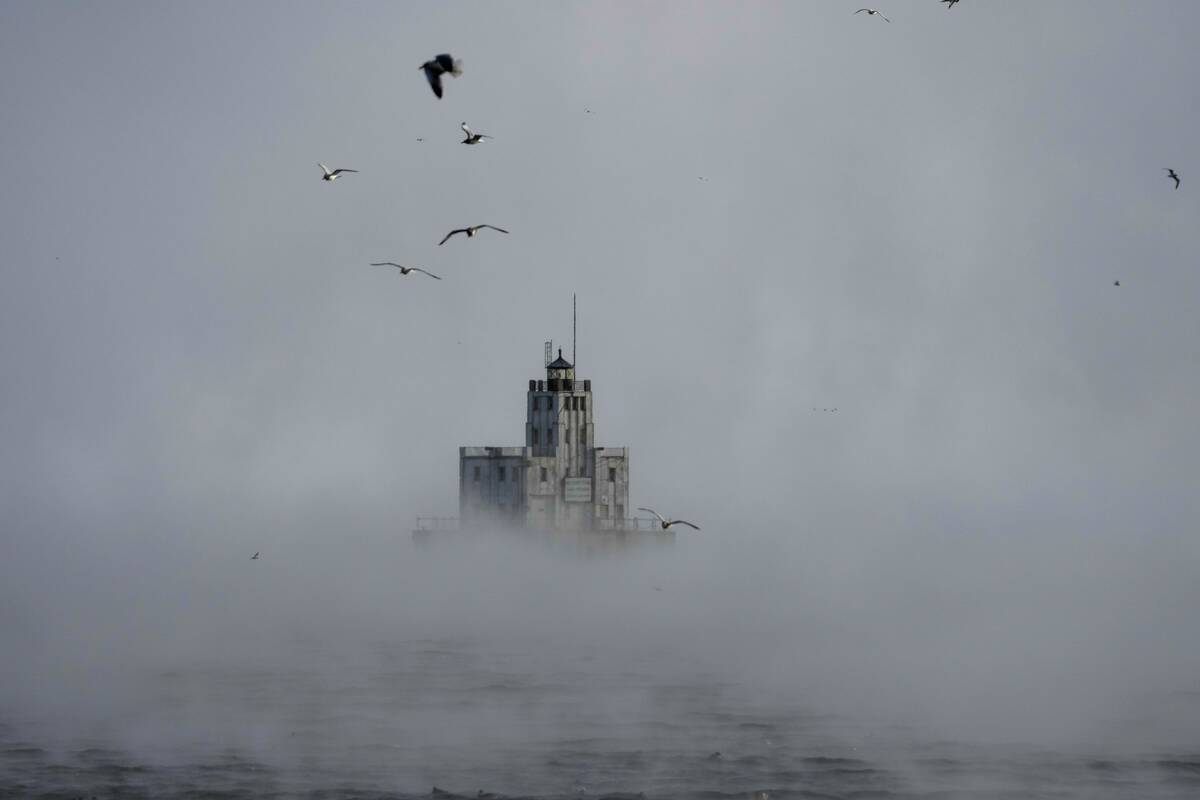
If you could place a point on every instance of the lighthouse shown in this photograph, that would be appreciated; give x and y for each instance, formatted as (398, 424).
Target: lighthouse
(559, 481)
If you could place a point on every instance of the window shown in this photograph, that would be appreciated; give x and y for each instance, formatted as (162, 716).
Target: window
(535, 436)
(477, 472)
(612, 474)
(543, 476)
(501, 474)
(583, 404)
(552, 436)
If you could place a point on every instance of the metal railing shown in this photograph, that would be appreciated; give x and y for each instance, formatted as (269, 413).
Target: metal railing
(628, 524)
(647, 524)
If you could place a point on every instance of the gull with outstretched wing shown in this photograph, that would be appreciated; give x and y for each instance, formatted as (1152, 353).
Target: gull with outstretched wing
(872, 12)
(667, 523)
(403, 269)
(473, 138)
(471, 231)
(332, 174)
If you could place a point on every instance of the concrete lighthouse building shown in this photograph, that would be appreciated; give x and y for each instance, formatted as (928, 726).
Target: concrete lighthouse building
(559, 481)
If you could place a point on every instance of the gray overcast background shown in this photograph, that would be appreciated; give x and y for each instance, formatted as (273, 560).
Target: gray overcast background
(918, 223)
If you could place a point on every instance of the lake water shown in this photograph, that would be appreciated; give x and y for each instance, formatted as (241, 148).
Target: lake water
(469, 715)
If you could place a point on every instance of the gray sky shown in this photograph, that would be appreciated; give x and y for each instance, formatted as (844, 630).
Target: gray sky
(918, 223)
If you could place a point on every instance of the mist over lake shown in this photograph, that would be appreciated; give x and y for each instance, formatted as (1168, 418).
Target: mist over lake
(900, 314)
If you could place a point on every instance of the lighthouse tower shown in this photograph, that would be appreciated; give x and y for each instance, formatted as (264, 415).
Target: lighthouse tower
(559, 481)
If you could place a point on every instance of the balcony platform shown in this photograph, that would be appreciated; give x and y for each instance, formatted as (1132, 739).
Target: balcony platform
(610, 534)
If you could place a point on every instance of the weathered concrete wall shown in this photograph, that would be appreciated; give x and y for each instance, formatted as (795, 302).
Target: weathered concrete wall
(611, 483)
(541, 492)
(491, 484)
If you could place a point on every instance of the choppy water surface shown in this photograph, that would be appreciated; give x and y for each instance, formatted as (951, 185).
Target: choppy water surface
(469, 718)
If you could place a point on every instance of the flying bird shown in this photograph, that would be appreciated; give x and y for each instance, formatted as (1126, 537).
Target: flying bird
(437, 66)
(872, 12)
(403, 269)
(471, 231)
(950, 4)
(667, 523)
(1116, 283)
(1171, 175)
(254, 557)
(332, 175)
(473, 138)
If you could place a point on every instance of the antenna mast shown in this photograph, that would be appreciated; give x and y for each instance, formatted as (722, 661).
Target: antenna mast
(572, 327)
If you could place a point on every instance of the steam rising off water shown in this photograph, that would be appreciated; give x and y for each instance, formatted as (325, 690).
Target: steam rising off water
(500, 668)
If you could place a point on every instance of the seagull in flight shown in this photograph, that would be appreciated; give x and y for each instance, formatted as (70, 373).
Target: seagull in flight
(332, 175)
(948, 7)
(254, 557)
(403, 269)
(667, 523)
(473, 138)
(872, 12)
(1171, 175)
(471, 231)
(437, 66)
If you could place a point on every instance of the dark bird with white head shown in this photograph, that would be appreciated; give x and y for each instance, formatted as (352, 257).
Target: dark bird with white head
(667, 523)
(470, 232)
(403, 269)
(438, 66)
